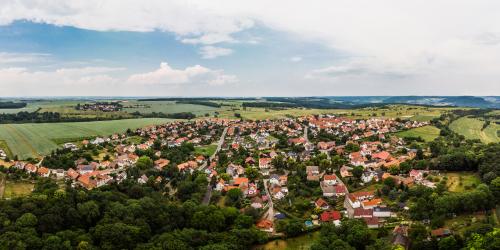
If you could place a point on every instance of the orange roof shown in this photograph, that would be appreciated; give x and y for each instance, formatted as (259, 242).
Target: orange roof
(264, 224)
(43, 170)
(239, 180)
(373, 202)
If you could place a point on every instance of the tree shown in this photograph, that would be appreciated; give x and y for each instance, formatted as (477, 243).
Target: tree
(233, 197)
(144, 162)
(27, 220)
(357, 171)
(294, 228)
(448, 243)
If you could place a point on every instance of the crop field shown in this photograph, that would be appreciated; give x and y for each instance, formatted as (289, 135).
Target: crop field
(471, 128)
(428, 133)
(35, 139)
(393, 111)
(167, 107)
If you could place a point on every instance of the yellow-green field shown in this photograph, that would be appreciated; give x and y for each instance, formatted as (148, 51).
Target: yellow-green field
(471, 128)
(417, 113)
(461, 181)
(14, 189)
(206, 150)
(428, 133)
(35, 139)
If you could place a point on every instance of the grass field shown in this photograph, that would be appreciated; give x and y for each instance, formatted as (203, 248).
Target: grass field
(471, 129)
(206, 150)
(34, 139)
(167, 107)
(17, 189)
(428, 133)
(461, 181)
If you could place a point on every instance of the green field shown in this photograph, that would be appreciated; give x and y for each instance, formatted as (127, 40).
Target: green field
(35, 139)
(428, 133)
(16, 189)
(461, 181)
(206, 150)
(471, 128)
(167, 107)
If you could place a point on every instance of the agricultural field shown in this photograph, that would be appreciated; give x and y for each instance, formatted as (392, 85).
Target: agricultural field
(428, 133)
(417, 113)
(166, 107)
(36, 139)
(472, 128)
(461, 181)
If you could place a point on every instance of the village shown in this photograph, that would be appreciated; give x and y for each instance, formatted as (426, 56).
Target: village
(316, 169)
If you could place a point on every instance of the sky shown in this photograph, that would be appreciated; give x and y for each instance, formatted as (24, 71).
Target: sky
(249, 48)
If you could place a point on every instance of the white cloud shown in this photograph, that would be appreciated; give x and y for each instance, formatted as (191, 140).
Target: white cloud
(418, 39)
(16, 58)
(210, 52)
(193, 74)
(295, 59)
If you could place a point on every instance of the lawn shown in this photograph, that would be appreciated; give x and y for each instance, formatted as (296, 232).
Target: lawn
(461, 181)
(206, 150)
(428, 133)
(17, 189)
(35, 139)
(167, 107)
(471, 128)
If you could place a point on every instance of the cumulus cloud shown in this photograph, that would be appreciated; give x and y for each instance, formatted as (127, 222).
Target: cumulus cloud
(415, 39)
(193, 74)
(210, 52)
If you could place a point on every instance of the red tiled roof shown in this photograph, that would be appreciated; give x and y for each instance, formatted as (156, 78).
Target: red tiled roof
(330, 216)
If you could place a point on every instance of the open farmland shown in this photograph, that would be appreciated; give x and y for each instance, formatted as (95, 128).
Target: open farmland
(35, 139)
(473, 129)
(428, 133)
(166, 107)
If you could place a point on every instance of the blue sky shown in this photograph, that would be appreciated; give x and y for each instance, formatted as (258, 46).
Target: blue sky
(238, 48)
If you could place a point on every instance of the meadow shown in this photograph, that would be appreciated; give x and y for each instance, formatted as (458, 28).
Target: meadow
(13, 189)
(472, 128)
(428, 133)
(461, 181)
(36, 139)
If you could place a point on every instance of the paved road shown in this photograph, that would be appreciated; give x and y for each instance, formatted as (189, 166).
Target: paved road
(208, 194)
(270, 212)
(306, 128)
(219, 145)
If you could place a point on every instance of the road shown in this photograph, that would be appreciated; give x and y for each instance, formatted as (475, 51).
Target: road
(208, 194)
(306, 128)
(270, 212)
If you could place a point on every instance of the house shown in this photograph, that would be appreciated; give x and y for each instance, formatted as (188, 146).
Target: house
(30, 168)
(440, 232)
(283, 180)
(345, 171)
(43, 172)
(340, 190)
(265, 162)
(58, 173)
(417, 175)
(362, 213)
(330, 179)
(326, 145)
(381, 212)
(328, 190)
(143, 179)
(372, 222)
(322, 204)
(161, 163)
(400, 236)
(265, 225)
(312, 170)
(331, 216)
(256, 202)
(220, 185)
(367, 176)
(274, 179)
(250, 160)
(72, 174)
(368, 204)
(278, 193)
